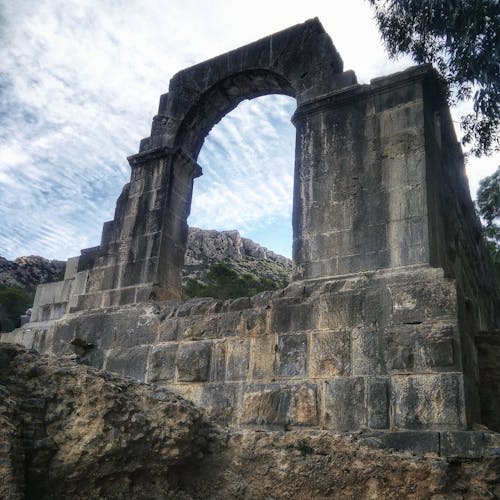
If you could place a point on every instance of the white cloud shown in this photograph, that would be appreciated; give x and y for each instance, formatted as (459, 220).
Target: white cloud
(80, 82)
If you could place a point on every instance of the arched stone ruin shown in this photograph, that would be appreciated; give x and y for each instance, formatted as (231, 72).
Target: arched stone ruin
(391, 284)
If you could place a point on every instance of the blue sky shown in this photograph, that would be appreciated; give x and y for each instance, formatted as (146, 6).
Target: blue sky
(80, 83)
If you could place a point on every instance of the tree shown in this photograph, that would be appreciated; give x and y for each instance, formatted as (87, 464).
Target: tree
(488, 203)
(222, 282)
(461, 39)
(14, 301)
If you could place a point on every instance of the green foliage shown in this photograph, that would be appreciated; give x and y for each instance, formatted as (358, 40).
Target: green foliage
(488, 202)
(461, 38)
(14, 301)
(222, 282)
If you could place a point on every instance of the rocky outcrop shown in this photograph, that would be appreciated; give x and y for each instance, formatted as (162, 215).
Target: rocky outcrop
(317, 465)
(30, 271)
(216, 246)
(68, 431)
(206, 247)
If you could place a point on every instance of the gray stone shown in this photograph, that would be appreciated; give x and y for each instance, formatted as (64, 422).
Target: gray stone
(220, 401)
(238, 359)
(193, 361)
(463, 444)
(377, 401)
(288, 316)
(330, 354)
(264, 354)
(391, 281)
(420, 347)
(367, 351)
(266, 405)
(128, 361)
(414, 442)
(427, 401)
(162, 363)
(344, 404)
(292, 355)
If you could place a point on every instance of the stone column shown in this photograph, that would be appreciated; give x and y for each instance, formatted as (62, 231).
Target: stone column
(174, 227)
(360, 198)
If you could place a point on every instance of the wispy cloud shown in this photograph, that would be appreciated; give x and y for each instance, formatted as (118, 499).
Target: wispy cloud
(80, 82)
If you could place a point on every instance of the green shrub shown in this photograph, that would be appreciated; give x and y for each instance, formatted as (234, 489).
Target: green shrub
(222, 282)
(14, 301)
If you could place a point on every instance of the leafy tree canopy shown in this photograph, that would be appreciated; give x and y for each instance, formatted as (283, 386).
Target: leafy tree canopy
(488, 202)
(461, 39)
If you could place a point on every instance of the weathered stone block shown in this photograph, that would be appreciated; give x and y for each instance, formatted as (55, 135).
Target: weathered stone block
(431, 401)
(128, 361)
(292, 355)
(376, 305)
(367, 351)
(290, 317)
(280, 405)
(340, 310)
(264, 353)
(193, 361)
(344, 404)
(220, 401)
(118, 297)
(309, 270)
(162, 363)
(398, 119)
(89, 301)
(126, 327)
(168, 329)
(266, 405)
(71, 268)
(304, 405)
(414, 303)
(227, 325)
(330, 354)
(239, 304)
(252, 322)
(420, 442)
(238, 359)
(377, 402)
(218, 363)
(194, 307)
(463, 444)
(420, 347)
(198, 327)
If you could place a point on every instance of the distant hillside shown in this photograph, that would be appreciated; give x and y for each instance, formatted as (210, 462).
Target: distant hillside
(207, 247)
(28, 272)
(247, 268)
(204, 248)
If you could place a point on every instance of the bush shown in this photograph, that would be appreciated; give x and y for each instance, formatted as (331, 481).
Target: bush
(14, 301)
(222, 282)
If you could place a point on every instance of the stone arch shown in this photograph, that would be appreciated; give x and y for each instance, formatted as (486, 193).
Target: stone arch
(221, 99)
(300, 61)
(141, 254)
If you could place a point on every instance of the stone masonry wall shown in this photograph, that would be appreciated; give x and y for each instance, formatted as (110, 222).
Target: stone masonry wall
(380, 350)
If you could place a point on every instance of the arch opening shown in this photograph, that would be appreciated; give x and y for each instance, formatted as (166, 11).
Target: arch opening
(244, 196)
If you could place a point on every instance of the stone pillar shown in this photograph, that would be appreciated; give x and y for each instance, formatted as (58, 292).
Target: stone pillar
(142, 250)
(360, 196)
(174, 227)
